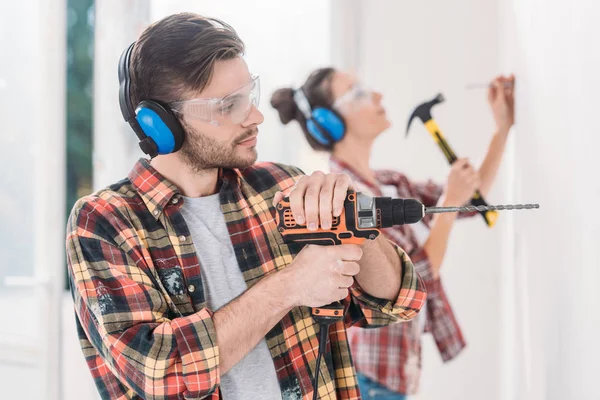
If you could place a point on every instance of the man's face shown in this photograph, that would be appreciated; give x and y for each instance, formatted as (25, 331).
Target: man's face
(227, 145)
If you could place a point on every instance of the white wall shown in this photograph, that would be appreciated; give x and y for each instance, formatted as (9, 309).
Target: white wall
(410, 51)
(557, 61)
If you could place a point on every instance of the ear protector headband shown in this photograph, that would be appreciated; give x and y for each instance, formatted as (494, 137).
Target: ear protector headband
(324, 125)
(153, 122)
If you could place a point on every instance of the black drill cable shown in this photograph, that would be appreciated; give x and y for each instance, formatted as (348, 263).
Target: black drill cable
(323, 330)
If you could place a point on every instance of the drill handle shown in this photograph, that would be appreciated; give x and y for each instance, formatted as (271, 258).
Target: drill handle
(329, 313)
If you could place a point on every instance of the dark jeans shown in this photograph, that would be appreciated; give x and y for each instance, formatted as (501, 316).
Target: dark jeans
(371, 390)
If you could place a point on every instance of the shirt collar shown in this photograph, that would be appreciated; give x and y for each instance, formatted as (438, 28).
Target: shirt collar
(157, 191)
(154, 189)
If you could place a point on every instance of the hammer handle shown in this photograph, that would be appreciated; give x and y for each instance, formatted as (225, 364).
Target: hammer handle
(477, 199)
(439, 138)
(489, 216)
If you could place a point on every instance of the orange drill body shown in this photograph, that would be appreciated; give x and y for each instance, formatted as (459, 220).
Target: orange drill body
(345, 229)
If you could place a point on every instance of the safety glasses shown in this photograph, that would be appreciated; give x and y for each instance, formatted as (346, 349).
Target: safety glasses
(232, 109)
(356, 96)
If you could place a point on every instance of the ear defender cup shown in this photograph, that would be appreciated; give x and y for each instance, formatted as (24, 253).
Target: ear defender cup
(160, 125)
(158, 130)
(326, 126)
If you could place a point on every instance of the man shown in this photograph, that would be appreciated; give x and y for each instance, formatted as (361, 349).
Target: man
(183, 287)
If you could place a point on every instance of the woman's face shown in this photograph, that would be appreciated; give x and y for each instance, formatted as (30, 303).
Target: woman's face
(361, 108)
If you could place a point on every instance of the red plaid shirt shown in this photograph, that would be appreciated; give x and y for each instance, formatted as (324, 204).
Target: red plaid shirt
(144, 334)
(391, 355)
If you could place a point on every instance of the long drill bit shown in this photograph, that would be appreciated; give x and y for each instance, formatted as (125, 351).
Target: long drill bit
(436, 210)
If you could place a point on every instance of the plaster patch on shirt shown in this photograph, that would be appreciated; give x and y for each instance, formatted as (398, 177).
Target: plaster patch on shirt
(291, 389)
(172, 278)
(104, 303)
(292, 394)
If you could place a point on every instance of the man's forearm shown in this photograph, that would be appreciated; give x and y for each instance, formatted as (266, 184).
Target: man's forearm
(242, 323)
(491, 163)
(380, 269)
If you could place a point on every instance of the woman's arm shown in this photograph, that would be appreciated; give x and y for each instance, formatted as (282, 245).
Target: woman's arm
(501, 99)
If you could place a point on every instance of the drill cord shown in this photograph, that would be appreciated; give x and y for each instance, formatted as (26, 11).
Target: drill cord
(323, 330)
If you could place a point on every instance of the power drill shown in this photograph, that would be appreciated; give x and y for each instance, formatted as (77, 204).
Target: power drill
(361, 219)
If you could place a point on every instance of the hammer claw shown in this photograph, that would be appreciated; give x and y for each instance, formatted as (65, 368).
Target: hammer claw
(423, 111)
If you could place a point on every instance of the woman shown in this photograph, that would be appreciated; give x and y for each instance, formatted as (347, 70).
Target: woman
(339, 115)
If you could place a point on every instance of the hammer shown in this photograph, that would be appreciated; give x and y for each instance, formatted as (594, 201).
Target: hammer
(423, 112)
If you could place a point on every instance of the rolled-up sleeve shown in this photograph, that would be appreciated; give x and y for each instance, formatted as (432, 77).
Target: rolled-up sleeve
(126, 317)
(368, 311)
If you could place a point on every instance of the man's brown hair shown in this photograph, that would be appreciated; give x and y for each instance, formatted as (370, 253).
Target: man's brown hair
(177, 54)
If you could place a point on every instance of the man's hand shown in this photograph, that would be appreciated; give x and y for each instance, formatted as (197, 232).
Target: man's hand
(320, 275)
(463, 180)
(502, 102)
(317, 198)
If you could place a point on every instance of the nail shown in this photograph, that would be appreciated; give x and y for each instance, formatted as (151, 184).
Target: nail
(326, 225)
(312, 226)
(300, 220)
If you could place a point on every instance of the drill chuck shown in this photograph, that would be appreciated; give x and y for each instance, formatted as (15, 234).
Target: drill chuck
(398, 211)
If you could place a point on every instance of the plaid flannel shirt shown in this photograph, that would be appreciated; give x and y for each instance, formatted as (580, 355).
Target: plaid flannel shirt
(391, 355)
(145, 335)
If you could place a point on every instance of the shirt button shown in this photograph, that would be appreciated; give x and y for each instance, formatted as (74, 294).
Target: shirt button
(182, 238)
(191, 288)
(155, 212)
(175, 200)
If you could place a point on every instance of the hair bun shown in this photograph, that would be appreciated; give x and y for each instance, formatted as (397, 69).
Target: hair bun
(283, 101)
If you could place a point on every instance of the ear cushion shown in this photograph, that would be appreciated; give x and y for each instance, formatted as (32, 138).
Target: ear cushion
(160, 125)
(331, 122)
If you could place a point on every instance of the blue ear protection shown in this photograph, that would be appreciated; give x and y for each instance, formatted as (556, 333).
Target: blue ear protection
(154, 124)
(324, 125)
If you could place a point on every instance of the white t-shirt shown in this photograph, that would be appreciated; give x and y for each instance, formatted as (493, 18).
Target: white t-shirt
(254, 377)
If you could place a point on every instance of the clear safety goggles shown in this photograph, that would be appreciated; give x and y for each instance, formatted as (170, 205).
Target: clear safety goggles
(232, 109)
(356, 97)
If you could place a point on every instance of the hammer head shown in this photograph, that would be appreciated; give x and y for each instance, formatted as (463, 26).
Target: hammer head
(423, 111)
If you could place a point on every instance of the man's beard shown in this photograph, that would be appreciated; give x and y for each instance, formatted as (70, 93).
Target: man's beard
(201, 152)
